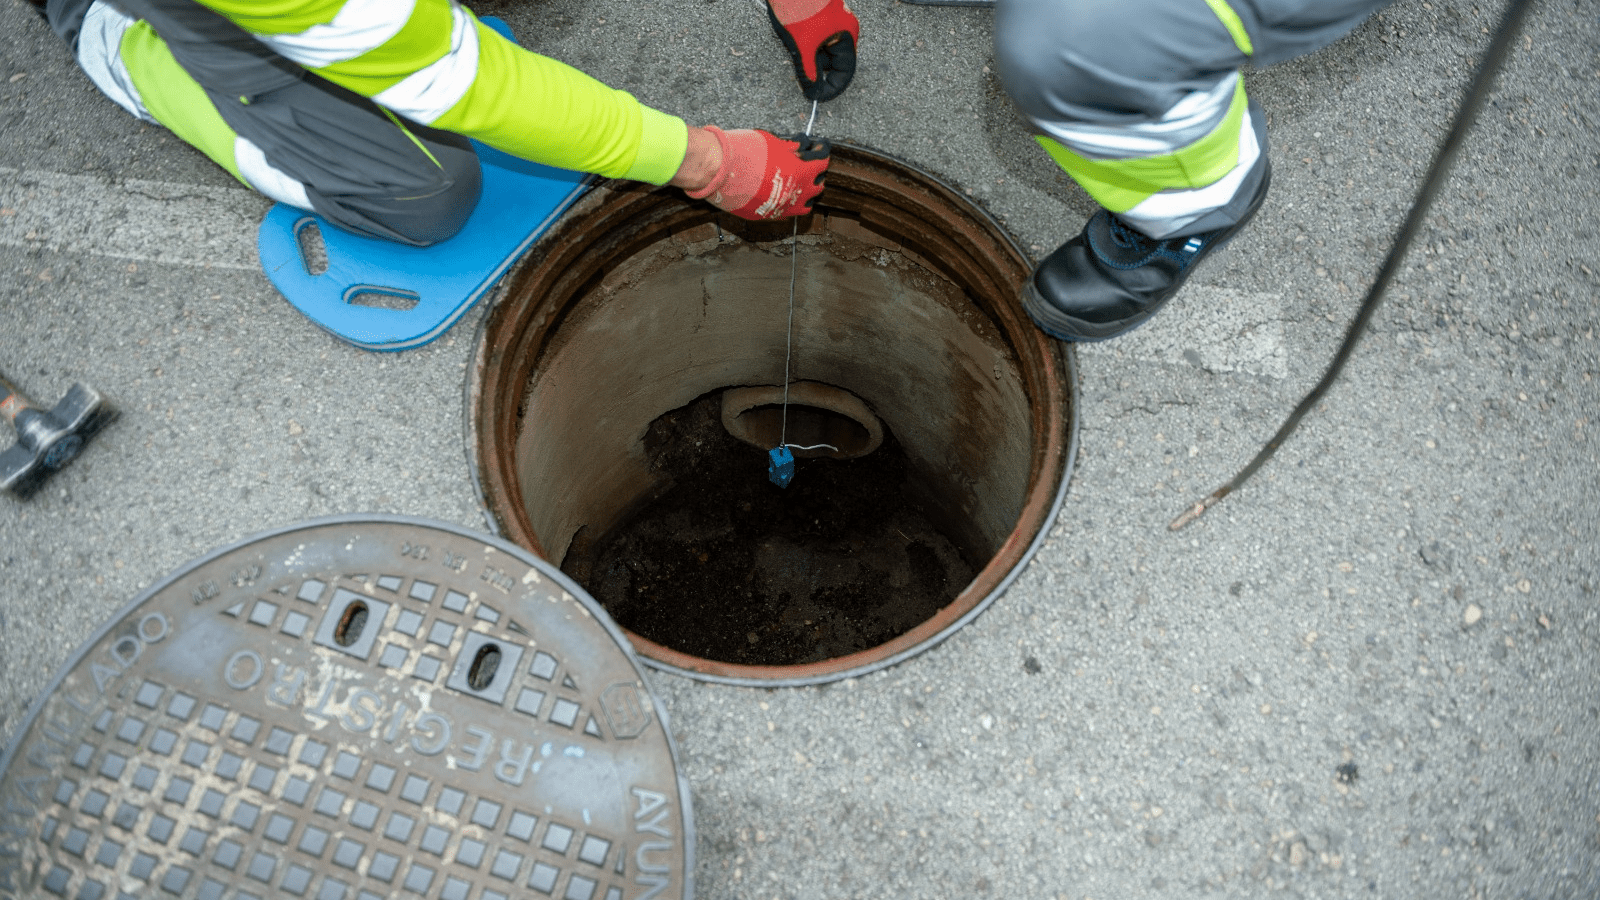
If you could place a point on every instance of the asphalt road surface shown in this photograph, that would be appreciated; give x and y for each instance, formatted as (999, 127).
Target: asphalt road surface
(1408, 590)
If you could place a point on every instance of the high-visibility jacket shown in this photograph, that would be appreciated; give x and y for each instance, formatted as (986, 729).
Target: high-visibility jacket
(434, 62)
(431, 61)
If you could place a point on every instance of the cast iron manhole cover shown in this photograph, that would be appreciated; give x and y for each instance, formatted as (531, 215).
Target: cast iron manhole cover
(350, 709)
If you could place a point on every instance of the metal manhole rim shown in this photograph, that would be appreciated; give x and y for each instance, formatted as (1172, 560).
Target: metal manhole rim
(872, 658)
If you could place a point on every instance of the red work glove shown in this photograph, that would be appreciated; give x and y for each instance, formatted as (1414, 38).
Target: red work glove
(805, 26)
(764, 176)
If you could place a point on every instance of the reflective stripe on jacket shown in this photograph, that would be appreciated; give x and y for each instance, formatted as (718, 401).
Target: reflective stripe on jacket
(435, 63)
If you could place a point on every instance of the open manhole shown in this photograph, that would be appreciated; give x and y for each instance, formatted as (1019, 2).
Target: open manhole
(350, 709)
(630, 380)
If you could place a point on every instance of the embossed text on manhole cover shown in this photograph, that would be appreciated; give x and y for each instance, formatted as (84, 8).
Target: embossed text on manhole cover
(350, 709)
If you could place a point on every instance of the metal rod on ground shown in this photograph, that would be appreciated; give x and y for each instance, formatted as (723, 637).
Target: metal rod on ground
(1477, 93)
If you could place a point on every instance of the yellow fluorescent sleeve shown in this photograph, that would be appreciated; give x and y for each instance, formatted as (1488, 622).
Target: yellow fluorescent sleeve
(519, 102)
(544, 110)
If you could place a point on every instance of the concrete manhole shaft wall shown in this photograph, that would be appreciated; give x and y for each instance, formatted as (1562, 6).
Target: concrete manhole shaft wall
(639, 302)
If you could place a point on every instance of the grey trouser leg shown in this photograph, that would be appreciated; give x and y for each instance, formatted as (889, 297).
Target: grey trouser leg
(389, 178)
(357, 165)
(1119, 80)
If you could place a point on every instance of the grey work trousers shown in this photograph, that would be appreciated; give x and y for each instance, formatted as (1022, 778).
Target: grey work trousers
(1117, 83)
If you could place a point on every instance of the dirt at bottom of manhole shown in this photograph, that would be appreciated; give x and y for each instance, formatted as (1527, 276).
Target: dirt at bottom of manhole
(727, 566)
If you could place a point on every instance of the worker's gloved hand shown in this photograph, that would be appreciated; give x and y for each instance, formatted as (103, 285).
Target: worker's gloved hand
(821, 37)
(766, 176)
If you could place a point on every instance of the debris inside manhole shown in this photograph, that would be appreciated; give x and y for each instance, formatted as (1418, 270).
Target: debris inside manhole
(728, 567)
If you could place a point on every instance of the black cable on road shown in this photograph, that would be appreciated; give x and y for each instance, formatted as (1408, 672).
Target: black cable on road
(1499, 48)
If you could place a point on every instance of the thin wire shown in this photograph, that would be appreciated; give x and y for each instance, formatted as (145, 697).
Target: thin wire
(788, 350)
(1477, 93)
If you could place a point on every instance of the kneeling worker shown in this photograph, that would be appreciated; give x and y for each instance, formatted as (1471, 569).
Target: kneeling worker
(360, 110)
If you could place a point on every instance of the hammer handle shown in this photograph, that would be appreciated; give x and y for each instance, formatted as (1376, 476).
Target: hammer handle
(12, 400)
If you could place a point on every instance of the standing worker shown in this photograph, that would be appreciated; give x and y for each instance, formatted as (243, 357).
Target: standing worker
(360, 110)
(1142, 103)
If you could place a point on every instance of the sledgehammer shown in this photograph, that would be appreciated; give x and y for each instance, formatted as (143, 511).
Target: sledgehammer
(46, 439)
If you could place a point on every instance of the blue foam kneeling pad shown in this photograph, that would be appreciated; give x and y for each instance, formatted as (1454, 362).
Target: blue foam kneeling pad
(520, 200)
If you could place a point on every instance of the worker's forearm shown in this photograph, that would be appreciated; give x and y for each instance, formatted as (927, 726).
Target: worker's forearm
(547, 111)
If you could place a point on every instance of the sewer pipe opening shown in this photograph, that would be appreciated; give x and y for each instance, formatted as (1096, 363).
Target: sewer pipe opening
(623, 384)
(814, 419)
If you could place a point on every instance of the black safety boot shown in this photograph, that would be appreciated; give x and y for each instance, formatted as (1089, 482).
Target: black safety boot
(1112, 277)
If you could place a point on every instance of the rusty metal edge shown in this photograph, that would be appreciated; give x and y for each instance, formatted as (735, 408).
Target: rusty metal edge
(601, 616)
(1037, 517)
(491, 479)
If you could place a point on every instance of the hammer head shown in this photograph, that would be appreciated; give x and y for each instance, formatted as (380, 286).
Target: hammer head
(48, 440)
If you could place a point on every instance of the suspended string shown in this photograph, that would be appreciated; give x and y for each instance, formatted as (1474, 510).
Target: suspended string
(788, 350)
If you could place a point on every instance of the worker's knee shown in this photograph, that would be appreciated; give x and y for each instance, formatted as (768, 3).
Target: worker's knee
(431, 211)
(440, 214)
(1127, 56)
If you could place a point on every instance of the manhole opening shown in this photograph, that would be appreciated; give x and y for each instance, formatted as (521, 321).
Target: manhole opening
(594, 409)
(810, 418)
(812, 431)
(726, 566)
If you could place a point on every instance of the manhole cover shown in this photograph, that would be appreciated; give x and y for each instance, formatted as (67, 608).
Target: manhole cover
(350, 709)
